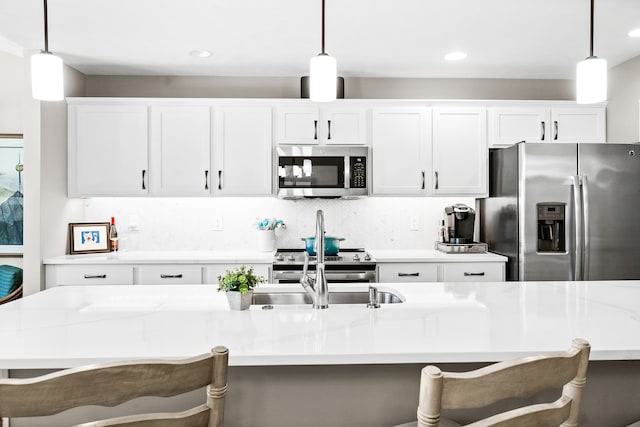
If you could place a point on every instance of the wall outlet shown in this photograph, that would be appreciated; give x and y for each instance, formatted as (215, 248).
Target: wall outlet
(414, 223)
(134, 223)
(217, 223)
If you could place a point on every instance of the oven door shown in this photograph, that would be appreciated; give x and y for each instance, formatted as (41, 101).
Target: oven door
(333, 276)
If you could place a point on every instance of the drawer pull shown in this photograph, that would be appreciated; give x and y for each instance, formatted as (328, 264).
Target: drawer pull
(95, 276)
(171, 276)
(474, 274)
(408, 274)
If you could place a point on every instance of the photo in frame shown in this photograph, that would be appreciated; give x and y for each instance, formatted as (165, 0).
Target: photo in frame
(88, 238)
(11, 195)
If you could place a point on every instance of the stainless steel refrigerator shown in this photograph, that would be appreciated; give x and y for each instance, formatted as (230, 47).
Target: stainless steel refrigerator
(564, 211)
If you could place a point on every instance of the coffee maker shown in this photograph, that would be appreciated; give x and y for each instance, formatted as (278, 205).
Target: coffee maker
(459, 221)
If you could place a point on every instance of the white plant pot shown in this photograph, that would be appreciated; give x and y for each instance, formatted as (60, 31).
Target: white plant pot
(239, 301)
(266, 240)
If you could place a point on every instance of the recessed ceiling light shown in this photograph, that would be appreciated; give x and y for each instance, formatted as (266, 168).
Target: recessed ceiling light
(635, 33)
(200, 53)
(455, 56)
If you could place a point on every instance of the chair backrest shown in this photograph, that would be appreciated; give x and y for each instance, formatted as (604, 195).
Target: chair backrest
(10, 283)
(113, 383)
(516, 378)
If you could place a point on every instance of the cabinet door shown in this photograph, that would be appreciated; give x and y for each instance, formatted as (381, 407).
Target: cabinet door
(407, 272)
(90, 274)
(242, 151)
(108, 146)
(343, 126)
(514, 124)
(578, 124)
(297, 125)
(460, 152)
(180, 150)
(168, 274)
(400, 140)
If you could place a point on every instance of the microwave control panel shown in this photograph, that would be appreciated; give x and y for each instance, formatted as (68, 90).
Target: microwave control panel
(358, 166)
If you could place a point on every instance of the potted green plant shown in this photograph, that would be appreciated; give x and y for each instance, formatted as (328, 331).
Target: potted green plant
(238, 284)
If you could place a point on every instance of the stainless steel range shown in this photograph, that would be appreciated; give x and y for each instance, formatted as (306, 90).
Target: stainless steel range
(349, 266)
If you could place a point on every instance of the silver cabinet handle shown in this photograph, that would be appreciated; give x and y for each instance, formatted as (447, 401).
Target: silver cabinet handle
(423, 180)
(542, 127)
(555, 129)
(408, 274)
(437, 184)
(95, 276)
(328, 129)
(219, 180)
(144, 172)
(315, 129)
(171, 276)
(206, 180)
(474, 274)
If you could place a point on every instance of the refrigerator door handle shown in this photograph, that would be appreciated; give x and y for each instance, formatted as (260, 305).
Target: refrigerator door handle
(585, 216)
(577, 217)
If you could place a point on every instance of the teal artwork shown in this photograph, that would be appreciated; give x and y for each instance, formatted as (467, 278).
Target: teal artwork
(11, 194)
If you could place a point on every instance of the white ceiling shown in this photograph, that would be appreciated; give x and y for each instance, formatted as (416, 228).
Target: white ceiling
(369, 38)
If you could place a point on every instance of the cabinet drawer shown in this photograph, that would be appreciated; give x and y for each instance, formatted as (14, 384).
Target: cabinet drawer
(407, 272)
(473, 272)
(93, 275)
(212, 271)
(168, 274)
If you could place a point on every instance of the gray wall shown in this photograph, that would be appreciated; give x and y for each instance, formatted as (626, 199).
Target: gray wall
(622, 109)
(363, 88)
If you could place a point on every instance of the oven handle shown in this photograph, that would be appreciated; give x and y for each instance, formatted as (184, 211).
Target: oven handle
(369, 276)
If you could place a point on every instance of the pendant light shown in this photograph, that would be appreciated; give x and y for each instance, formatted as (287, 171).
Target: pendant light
(47, 82)
(591, 76)
(322, 74)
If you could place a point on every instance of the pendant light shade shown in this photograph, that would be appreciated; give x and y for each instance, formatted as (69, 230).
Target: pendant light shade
(47, 82)
(46, 77)
(591, 75)
(323, 71)
(323, 78)
(591, 81)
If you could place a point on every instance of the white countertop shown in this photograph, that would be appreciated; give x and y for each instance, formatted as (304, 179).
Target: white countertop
(256, 257)
(438, 322)
(165, 257)
(432, 255)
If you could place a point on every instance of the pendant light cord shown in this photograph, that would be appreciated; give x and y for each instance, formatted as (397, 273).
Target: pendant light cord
(322, 26)
(46, 28)
(591, 40)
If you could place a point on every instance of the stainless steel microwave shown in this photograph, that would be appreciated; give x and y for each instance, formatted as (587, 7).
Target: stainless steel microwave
(322, 171)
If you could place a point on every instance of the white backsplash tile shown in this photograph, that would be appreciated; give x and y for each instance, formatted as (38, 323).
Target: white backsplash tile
(188, 223)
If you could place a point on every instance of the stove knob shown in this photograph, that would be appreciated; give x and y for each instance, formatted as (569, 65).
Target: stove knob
(367, 257)
(356, 257)
(292, 258)
(279, 257)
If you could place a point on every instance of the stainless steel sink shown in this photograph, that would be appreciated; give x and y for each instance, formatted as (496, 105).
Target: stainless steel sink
(338, 297)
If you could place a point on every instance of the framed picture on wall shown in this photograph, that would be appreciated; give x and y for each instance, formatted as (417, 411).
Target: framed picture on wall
(88, 238)
(11, 195)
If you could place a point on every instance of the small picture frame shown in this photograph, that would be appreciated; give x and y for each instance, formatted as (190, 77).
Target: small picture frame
(89, 238)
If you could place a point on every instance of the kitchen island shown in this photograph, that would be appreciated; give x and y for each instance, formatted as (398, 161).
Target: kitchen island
(362, 363)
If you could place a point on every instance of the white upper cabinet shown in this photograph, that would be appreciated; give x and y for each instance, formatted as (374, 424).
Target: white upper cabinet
(107, 152)
(315, 125)
(547, 123)
(514, 124)
(460, 153)
(578, 124)
(180, 150)
(242, 150)
(401, 138)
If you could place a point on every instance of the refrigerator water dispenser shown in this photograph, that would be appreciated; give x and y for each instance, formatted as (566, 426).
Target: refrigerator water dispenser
(551, 226)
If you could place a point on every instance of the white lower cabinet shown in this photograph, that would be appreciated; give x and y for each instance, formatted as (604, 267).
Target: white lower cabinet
(473, 272)
(168, 274)
(57, 275)
(389, 272)
(407, 272)
(211, 272)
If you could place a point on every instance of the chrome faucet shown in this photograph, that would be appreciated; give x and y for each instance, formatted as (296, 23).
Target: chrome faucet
(317, 288)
